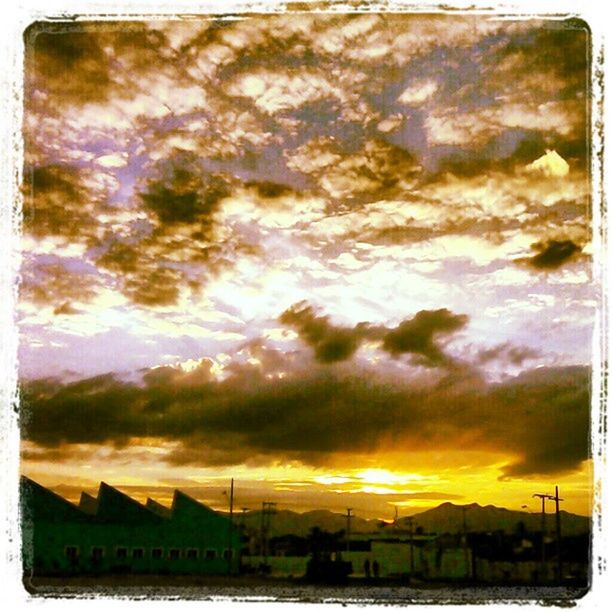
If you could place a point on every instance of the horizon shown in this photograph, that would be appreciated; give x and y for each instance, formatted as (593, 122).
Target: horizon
(72, 493)
(345, 259)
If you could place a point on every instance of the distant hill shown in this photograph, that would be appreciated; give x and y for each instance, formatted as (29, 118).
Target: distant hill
(284, 522)
(448, 518)
(445, 518)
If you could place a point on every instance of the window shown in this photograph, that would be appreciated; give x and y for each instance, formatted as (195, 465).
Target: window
(121, 552)
(192, 553)
(211, 554)
(137, 553)
(97, 553)
(72, 552)
(174, 553)
(157, 553)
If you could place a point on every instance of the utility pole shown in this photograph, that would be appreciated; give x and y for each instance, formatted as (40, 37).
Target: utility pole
(267, 509)
(558, 525)
(543, 497)
(230, 529)
(348, 528)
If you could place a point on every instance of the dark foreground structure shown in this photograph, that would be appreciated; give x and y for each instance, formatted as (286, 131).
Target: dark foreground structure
(114, 544)
(115, 534)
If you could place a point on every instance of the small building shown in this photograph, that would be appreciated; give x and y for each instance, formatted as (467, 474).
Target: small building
(114, 533)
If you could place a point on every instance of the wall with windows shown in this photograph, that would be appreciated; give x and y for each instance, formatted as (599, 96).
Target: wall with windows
(123, 536)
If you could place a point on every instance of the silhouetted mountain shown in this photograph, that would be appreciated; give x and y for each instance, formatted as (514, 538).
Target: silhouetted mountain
(445, 518)
(448, 518)
(284, 522)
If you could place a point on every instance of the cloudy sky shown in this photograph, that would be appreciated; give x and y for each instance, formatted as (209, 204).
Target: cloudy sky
(344, 259)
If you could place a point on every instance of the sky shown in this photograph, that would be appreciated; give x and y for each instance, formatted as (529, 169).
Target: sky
(345, 259)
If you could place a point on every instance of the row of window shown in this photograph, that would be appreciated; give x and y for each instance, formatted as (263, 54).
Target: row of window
(122, 552)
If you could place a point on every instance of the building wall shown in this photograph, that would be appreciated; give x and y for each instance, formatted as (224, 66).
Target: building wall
(53, 528)
(50, 540)
(446, 563)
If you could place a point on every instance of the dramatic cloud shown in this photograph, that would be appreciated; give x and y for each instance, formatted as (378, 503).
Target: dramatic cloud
(247, 415)
(330, 343)
(183, 196)
(179, 244)
(418, 335)
(59, 202)
(193, 178)
(57, 285)
(506, 352)
(552, 254)
(74, 50)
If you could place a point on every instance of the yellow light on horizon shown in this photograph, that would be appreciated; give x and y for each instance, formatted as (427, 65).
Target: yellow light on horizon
(385, 477)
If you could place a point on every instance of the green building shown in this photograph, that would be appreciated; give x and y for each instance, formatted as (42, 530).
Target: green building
(114, 533)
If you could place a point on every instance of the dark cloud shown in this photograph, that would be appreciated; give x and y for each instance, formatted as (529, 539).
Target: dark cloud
(507, 353)
(57, 202)
(185, 194)
(101, 59)
(397, 234)
(330, 343)
(89, 410)
(68, 62)
(553, 407)
(552, 254)
(179, 246)
(56, 284)
(419, 334)
(559, 48)
(512, 149)
(143, 278)
(269, 189)
(157, 287)
(540, 419)
(153, 269)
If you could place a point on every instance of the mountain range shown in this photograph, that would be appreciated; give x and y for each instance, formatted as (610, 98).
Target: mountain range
(445, 518)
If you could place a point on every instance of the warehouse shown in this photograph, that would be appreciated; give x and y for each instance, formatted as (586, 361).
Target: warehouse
(114, 533)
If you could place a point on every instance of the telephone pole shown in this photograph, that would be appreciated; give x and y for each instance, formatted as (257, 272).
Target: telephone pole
(558, 526)
(543, 497)
(267, 510)
(348, 528)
